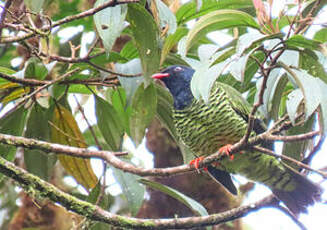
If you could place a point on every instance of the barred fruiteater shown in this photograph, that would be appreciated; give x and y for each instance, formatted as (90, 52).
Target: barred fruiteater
(207, 127)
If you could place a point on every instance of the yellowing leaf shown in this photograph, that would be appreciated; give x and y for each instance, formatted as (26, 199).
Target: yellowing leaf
(7, 85)
(65, 131)
(17, 93)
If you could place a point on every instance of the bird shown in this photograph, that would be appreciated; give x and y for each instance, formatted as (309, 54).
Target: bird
(212, 126)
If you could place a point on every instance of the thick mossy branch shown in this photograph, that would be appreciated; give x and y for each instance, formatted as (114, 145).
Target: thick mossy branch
(39, 188)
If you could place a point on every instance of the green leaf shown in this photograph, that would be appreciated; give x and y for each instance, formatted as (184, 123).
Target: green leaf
(313, 8)
(293, 101)
(65, 131)
(109, 123)
(297, 41)
(290, 58)
(205, 74)
(78, 88)
(94, 194)
(146, 38)
(323, 104)
(7, 53)
(143, 110)
(129, 51)
(166, 17)
(252, 40)
(309, 61)
(133, 191)
(204, 78)
(217, 20)
(34, 5)
(36, 161)
(130, 84)
(171, 41)
(276, 97)
(296, 150)
(12, 124)
(189, 11)
(103, 60)
(89, 138)
(269, 93)
(196, 207)
(208, 52)
(308, 86)
(6, 70)
(118, 100)
(58, 90)
(246, 41)
(174, 59)
(238, 66)
(321, 35)
(35, 69)
(164, 109)
(250, 70)
(110, 23)
(106, 201)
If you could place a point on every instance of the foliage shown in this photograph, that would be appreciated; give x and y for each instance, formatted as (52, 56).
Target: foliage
(278, 63)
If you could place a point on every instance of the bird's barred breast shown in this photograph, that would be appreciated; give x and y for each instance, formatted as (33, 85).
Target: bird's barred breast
(205, 127)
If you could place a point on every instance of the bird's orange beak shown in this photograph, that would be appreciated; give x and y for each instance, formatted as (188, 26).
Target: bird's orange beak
(160, 75)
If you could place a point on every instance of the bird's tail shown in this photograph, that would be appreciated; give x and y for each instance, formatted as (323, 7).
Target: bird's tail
(305, 193)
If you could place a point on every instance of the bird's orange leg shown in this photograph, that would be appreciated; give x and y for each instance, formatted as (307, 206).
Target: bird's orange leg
(225, 150)
(195, 162)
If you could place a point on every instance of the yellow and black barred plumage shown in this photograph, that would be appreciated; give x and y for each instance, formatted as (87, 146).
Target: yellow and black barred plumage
(205, 127)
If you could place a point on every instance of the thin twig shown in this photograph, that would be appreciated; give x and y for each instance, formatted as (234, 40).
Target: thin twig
(284, 157)
(293, 138)
(93, 45)
(4, 14)
(110, 71)
(104, 172)
(294, 20)
(26, 98)
(288, 213)
(316, 148)
(92, 11)
(35, 82)
(265, 72)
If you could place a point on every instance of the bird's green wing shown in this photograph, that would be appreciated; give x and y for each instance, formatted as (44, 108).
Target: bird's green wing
(238, 103)
(243, 109)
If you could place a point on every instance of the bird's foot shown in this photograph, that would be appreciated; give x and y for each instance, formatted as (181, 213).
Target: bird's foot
(226, 150)
(195, 162)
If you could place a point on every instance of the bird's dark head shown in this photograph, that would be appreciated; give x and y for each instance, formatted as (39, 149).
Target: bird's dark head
(178, 80)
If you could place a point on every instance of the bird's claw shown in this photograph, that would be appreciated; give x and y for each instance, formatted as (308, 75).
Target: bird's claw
(226, 150)
(195, 162)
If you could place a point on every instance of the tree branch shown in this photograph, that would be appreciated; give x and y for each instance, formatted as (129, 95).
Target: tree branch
(293, 138)
(34, 82)
(110, 157)
(67, 19)
(35, 186)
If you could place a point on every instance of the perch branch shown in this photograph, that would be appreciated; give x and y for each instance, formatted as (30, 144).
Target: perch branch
(34, 185)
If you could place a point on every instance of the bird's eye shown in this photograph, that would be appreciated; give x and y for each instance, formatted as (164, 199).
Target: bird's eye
(178, 68)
